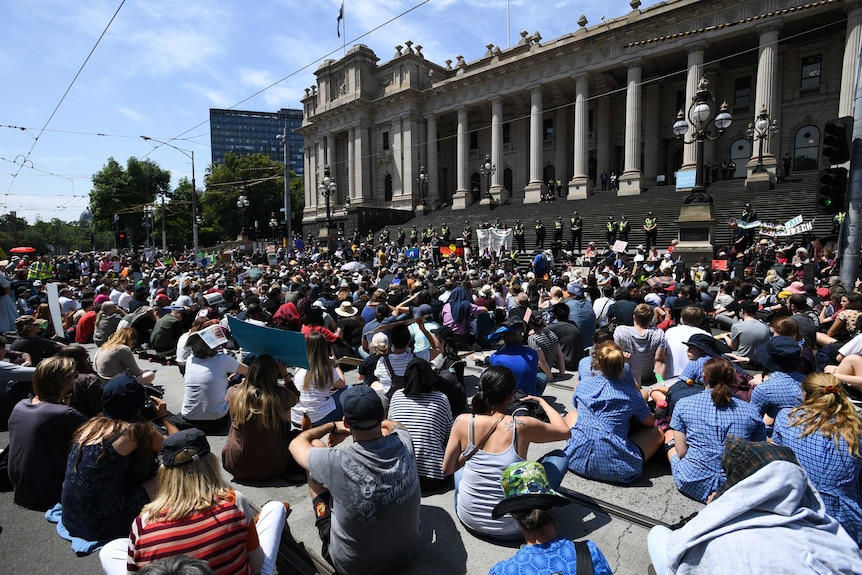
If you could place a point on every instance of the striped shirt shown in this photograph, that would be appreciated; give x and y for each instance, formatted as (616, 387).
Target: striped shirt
(428, 419)
(219, 536)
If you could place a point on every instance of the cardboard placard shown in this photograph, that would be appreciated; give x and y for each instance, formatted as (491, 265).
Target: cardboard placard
(283, 345)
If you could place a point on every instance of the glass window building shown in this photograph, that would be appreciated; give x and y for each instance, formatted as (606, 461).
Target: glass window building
(245, 132)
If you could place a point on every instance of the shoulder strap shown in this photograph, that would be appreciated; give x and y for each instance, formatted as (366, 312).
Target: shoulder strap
(481, 443)
(388, 367)
(583, 558)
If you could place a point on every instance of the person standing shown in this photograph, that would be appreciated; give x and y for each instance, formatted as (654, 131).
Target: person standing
(365, 495)
(749, 215)
(604, 178)
(401, 237)
(540, 235)
(611, 231)
(558, 230)
(624, 226)
(468, 233)
(518, 232)
(786, 160)
(731, 169)
(577, 225)
(650, 230)
(445, 233)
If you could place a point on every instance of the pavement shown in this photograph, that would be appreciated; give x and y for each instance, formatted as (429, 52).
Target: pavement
(29, 544)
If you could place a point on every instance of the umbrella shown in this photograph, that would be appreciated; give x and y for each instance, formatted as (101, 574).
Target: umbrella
(353, 266)
(664, 281)
(23, 250)
(255, 274)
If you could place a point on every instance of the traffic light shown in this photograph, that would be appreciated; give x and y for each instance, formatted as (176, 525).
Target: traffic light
(832, 191)
(122, 238)
(836, 140)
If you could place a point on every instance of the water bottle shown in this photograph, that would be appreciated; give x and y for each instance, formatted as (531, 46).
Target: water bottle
(660, 408)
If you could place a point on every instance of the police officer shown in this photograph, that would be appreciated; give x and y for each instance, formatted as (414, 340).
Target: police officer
(577, 225)
(611, 229)
(540, 235)
(414, 235)
(651, 230)
(369, 238)
(429, 232)
(518, 232)
(558, 230)
(837, 222)
(384, 236)
(444, 232)
(401, 237)
(623, 228)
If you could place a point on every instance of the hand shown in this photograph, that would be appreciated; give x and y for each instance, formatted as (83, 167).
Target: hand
(537, 399)
(830, 369)
(160, 407)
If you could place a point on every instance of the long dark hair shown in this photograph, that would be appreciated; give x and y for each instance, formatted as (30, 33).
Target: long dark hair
(495, 387)
(719, 375)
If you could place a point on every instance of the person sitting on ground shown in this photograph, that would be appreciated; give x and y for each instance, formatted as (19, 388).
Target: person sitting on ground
(110, 472)
(391, 367)
(522, 360)
(785, 325)
(366, 495)
(612, 429)
(379, 347)
(824, 434)
(530, 500)
(645, 344)
(86, 325)
(40, 431)
(319, 386)
(168, 330)
(700, 425)
(457, 313)
(107, 319)
(568, 334)
(480, 449)
(116, 357)
(749, 333)
(690, 319)
(259, 436)
(177, 565)
(541, 338)
(31, 343)
(196, 513)
(781, 387)
(87, 393)
(766, 518)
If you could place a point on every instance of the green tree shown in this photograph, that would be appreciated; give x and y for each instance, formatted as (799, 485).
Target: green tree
(123, 192)
(256, 176)
(297, 194)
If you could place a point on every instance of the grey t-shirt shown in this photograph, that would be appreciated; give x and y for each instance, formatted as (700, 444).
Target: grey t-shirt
(749, 334)
(375, 502)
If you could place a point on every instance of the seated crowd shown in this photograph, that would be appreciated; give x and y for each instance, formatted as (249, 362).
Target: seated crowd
(95, 441)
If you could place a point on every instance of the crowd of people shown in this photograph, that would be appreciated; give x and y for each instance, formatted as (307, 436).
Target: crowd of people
(96, 441)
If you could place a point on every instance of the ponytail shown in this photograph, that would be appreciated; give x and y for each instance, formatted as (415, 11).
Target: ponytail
(719, 375)
(495, 387)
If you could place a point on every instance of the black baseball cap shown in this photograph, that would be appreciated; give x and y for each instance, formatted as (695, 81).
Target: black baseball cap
(184, 447)
(362, 407)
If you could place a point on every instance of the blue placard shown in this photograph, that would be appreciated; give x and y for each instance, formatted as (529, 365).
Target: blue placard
(287, 346)
(685, 179)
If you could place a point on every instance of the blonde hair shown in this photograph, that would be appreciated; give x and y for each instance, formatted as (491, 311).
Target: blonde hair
(187, 489)
(609, 359)
(123, 336)
(827, 410)
(51, 376)
(259, 394)
(643, 314)
(319, 364)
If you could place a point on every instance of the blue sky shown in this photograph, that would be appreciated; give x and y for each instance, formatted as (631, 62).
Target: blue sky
(161, 65)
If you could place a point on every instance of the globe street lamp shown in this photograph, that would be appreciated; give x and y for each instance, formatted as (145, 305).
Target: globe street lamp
(488, 169)
(149, 215)
(327, 188)
(286, 142)
(700, 113)
(242, 203)
(422, 180)
(273, 225)
(761, 130)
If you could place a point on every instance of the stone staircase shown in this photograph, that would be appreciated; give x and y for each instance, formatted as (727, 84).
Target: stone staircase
(788, 199)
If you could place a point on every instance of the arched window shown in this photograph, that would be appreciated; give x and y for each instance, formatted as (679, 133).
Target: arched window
(549, 174)
(806, 148)
(740, 153)
(387, 188)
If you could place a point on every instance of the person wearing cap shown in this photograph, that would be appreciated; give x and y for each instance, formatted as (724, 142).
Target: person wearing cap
(611, 229)
(540, 235)
(520, 359)
(197, 514)
(780, 388)
(530, 500)
(29, 341)
(366, 494)
(576, 226)
(650, 230)
(167, 330)
(40, 430)
(766, 518)
(700, 425)
(110, 472)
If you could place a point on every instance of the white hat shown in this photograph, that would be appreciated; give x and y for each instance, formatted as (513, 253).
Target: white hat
(346, 309)
(37, 283)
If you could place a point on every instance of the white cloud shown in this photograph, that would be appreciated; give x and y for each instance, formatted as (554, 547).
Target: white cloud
(132, 114)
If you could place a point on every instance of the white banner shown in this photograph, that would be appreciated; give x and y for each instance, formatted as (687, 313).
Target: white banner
(494, 239)
(793, 222)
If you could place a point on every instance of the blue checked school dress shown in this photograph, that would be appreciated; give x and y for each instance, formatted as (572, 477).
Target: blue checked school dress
(833, 471)
(599, 447)
(779, 391)
(706, 427)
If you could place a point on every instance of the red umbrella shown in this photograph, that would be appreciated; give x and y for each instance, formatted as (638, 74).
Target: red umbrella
(23, 250)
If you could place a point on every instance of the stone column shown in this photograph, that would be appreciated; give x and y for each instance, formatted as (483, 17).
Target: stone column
(362, 166)
(533, 191)
(433, 186)
(695, 72)
(309, 178)
(397, 160)
(603, 136)
(652, 131)
(351, 164)
(320, 202)
(631, 180)
(498, 192)
(766, 96)
(579, 186)
(409, 157)
(853, 38)
(462, 197)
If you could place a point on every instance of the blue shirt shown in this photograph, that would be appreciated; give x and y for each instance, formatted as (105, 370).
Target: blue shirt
(832, 470)
(524, 363)
(779, 391)
(582, 315)
(557, 556)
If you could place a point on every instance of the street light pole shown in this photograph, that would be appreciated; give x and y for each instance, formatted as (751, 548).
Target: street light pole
(284, 138)
(327, 188)
(191, 155)
(242, 203)
(422, 180)
(488, 169)
(762, 130)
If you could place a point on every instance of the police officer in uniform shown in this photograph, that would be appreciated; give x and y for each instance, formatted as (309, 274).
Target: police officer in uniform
(558, 230)
(623, 228)
(429, 233)
(650, 230)
(444, 232)
(611, 228)
(384, 236)
(401, 237)
(414, 235)
(518, 232)
(540, 235)
(577, 225)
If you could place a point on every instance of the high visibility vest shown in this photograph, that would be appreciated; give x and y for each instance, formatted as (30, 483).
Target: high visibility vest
(612, 227)
(540, 227)
(558, 225)
(649, 222)
(839, 217)
(35, 270)
(519, 229)
(624, 226)
(576, 222)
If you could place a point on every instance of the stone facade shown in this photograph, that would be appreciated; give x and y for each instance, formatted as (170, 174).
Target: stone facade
(600, 99)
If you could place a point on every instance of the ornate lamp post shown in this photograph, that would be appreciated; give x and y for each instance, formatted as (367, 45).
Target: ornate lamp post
(488, 169)
(273, 225)
(327, 188)
(700, 114)
(761, 130)
(422, 180)
(242, 203)
(149, 212)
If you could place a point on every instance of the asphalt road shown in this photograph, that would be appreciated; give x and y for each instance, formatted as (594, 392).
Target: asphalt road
(29, 544)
